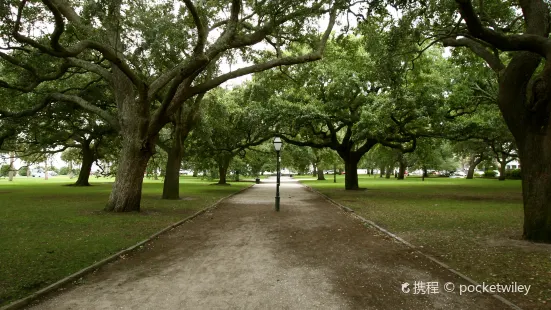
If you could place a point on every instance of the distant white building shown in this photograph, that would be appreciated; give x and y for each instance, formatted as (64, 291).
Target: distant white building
(39, 173)
(513, 165)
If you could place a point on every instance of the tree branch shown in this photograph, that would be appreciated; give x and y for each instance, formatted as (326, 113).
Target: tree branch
(108, 117)
(306, 143)
(535, 40)
(60, 52)
(183, 70)
(491, 59)
(67, 11)
(201, 31)
(92, 67)
(369, 143)
(291, 60)
(29, 112)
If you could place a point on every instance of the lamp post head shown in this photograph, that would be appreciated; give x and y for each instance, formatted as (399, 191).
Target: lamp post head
(277, 144)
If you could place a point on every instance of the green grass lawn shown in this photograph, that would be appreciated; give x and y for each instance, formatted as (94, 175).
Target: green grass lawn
(309, 176)
(49, 231)
(475, 226)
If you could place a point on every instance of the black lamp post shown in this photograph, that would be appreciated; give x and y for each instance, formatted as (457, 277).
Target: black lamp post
(277, 146)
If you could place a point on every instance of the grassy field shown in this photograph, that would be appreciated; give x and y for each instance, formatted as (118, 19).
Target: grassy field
(474, 226)
(49, 230)
(328, 177)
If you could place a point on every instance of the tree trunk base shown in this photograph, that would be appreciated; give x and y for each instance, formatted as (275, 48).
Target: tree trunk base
(321, 176)
(536, 187)
(127, 189)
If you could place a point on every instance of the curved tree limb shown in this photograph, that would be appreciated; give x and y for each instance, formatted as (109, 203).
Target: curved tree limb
(29, 112)
(108, 117)
(201, 30)
(535, 40)
(491, 59)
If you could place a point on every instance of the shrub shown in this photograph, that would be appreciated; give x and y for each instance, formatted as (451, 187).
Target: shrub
(513, 174)
(490, 174)
(23, 171)
(4, 170)
(64, 170)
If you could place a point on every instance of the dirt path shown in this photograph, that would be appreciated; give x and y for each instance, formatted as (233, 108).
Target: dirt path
(243, 255)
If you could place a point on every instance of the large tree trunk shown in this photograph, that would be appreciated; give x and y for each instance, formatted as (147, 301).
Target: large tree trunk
(388, 172)
(171, 185)
(223, 170)
(382, 172)
(138, 143)
(315, 172)
(526, 112)
(425, 173)
(321, 177)
(88, 158)
(475, 161)
(351, 159)
(127, 189)
(535, 158)
(402, 169)
(351, 173)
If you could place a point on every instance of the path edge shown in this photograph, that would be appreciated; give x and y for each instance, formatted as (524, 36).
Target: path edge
(25, 301)
(416, 249)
